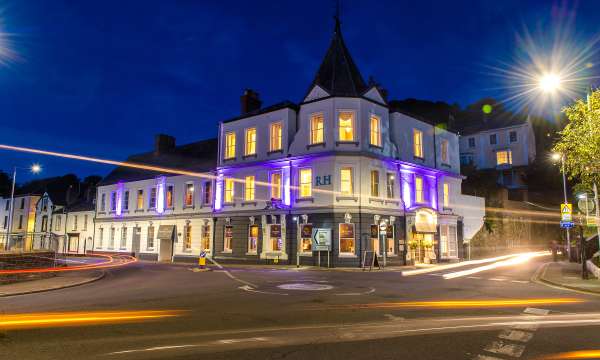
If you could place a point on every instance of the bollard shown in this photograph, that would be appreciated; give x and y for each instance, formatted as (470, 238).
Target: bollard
(202, 260)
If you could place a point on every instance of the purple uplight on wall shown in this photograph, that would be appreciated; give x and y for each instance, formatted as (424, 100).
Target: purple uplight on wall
(119, 200)
(160, 195)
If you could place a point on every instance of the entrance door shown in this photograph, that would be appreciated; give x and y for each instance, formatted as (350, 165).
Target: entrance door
(424, 245)
(73, 243)
(135, 241)
(166, 250)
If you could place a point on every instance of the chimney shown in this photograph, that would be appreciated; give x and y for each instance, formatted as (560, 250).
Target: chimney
(250, 101)
(163, 143)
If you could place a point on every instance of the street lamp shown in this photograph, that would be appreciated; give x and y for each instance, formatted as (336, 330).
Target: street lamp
(561, 157)
(549, 82)
(35, 169)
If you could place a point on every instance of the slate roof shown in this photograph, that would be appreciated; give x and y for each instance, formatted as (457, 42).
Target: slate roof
(499, 120)
(200, 156)
(282, 105)
(338, 74)
(81, 205)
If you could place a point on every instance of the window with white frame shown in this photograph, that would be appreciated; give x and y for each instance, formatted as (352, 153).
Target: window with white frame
(103, 202)
(113, 201)
(346, 125)
(205, 245)
(419, 196)
(446, 195)
(45, 223)
(253, 239)
(276, 185)
(317, 123)
(85, 221)
(390, 185)
(275, 132)
(126, 200)
(189, 195)
(123, 243)
(227, 238)
(228, 190)
(187, 240)
(150, 238)
(448, 241)
(249, 188)
(444, 151)
(230, 145)
(75, 217)
(374, 183)
(347, 241)
(346, 186)
(250, 148)
(504, 157)
(139, 200)
(169, 197)
(305, 182)
(152, 199)
(101, 238)
(375, 136)
(207, 195)
(418, 143)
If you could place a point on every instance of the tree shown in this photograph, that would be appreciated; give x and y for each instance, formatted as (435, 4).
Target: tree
(5, 184)
(579, 141)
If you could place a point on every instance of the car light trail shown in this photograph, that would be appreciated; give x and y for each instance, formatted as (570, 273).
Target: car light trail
(102, 265)
(23, 321)
(521, 258)
(581, 354)
(457, 304)
(455, 265)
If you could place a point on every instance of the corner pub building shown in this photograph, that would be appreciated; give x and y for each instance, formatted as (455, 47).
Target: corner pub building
(341, 161)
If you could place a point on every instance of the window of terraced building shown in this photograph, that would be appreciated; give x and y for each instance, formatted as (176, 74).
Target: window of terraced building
(205, 238)
(374, 183)
(126, 200)
(189, 194)
(346, 181)
(253, 239)
(375, 131)
(250, 141)
(187, 243)
(227, 238)
(276, 185)
(446, 195)
(229, 190)
(418, 143)
(57, 226)
(113, 201)
(444, 151)
(346, 238)
(419, 196)
(316, 129)
(140, 200)
(150, 238)
(249, 188)
(207, 196)
(305, 182)
(169, 197)
(275, 136)
(123, 244)
(346, 125)
(230, 145)
(152, 200)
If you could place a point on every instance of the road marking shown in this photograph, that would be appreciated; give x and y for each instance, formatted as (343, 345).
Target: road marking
(305, 286)
(520, 281)
(170, 347)
(516, 335)
(372, 290)
(502, 348)
(497, 279)
(536, 311)
(249, 288)
(474, 277)
(485, 357)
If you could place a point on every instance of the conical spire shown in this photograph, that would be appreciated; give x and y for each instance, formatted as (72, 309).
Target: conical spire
(338, 75)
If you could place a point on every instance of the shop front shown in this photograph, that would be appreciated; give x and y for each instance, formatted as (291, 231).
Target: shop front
(422, 231)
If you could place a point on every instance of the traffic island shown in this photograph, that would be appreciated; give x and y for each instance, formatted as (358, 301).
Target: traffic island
(60, 281)
(567, 275)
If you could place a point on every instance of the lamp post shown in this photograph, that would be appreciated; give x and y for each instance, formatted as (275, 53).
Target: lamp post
(561, 157)
(35, 169)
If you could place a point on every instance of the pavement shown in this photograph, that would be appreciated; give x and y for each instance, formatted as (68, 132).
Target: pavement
(568, 275)
(494, 312)
(60, 281)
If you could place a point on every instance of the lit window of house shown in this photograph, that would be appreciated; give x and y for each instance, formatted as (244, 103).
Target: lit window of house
(374, 183)
(249, 188)
(448, 241)
(140, 199)
(276, 185)
(189, 194)
(305, 182)
(419, 190)
(253, 239)
(446, 195)
(123, 243)
(126, 200)
(375, 137)
(152, 200)
(207, 196)
(418, 143)
(187, 243)
(275, 136)
(316, 129)
(346, 126)
(227, 238)
(205, 238)
(346, 239)
(444, 151)
(229, 190)
(346, 181)
(150, 238)
(169, 197)
(504, 157)
(230, 145)
(250, 141)
(390, 185)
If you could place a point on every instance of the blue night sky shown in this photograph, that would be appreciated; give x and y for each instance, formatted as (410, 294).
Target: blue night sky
(100, 78)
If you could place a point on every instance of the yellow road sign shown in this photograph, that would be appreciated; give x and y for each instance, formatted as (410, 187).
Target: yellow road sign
(566, 212)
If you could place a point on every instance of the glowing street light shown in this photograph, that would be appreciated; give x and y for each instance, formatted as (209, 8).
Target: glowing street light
(549, 83)
(36, 168)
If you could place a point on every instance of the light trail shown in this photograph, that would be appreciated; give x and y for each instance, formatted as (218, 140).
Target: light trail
(103, 265)
(456, 304)
(37, 320)
(455, 265)
(521, 258)
(581, 354)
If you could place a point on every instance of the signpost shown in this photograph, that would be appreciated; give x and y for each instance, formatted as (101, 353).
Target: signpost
(566, 212)
(321, 241)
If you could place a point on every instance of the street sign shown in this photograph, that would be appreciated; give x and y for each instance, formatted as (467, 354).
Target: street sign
(567, 224)
(566, 212)
(321, 239)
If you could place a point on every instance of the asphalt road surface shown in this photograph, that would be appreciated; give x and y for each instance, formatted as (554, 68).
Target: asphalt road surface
(271, 313)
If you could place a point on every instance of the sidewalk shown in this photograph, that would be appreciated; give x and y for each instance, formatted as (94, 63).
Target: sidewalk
(568, 275)
(61, 281)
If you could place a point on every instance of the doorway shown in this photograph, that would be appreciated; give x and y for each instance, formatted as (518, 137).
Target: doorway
(135, 241)
(422, 248)
(73, 243)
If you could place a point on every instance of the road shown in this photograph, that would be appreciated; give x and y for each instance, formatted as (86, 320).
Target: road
(274, 313)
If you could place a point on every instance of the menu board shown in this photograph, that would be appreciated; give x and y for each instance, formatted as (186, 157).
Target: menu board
(306, 231)
(374, 231)
(228, 231)
(275, 231)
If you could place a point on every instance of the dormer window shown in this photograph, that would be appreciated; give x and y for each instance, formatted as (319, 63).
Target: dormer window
(230, 145)
(275, 131)
(250, 142)
(375, 137)
(316, 129)
(346, 126)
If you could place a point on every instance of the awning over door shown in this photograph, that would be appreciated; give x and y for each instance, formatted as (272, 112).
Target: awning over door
(166, 232)
(425, 221)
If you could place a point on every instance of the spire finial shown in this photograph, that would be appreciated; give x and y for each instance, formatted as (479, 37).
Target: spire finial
(338, 10)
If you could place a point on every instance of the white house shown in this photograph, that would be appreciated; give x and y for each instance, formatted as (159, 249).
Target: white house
(23, 220)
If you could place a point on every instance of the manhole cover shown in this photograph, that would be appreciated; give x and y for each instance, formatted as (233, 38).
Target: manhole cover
(305, 286)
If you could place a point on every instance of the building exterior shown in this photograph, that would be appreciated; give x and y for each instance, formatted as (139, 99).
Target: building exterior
(23, 220)
(501, 143)
(156, 215)
(72, 227)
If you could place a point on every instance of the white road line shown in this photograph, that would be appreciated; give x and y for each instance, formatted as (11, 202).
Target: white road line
(516, 335)
(474, 277)
(502, 348)
(536, 311)
(251, 289)
(497, 279)
(520, 281)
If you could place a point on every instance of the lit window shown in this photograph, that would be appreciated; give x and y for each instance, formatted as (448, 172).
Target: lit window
(346, 181)
(504, 157)
(347, 241)
(305, 182)
(346, 126)
(227, 238)
(206, 238)
(444, 151)
(375, 131)
(316, 129)
(189, 194)
(374, 183)
(249, 188)
(230, 145)
(229, 190)
(390, 185)
(253, 239)
(418, 143)
(187, 243)
(275, 132)
(446, 195)
(169, 197)
(207, 192)
(140, 199)
(250, 141)
(419, 189)
(306, 238)
(275, 237)
(276, 185)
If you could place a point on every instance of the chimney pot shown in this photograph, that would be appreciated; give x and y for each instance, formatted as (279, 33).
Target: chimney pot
(163, 143)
